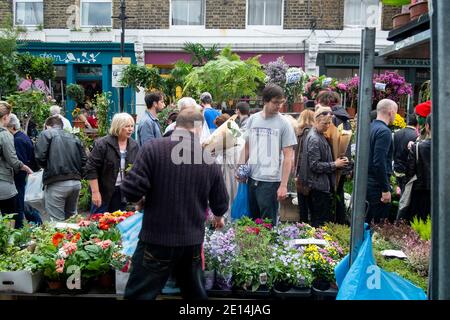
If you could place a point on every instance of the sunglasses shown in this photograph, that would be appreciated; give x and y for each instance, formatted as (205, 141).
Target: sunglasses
(325, 113)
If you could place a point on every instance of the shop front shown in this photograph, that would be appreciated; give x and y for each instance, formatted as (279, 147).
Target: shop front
(86, 64)
(346, 65)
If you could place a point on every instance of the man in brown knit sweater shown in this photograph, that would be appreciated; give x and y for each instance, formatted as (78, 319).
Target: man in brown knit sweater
(178, 186)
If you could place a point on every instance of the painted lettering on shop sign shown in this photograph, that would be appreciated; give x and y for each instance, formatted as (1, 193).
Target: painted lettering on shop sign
(70, 57)
(353, 60)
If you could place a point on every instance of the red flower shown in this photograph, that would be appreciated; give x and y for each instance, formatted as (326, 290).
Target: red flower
(256, 230)
(267, 226)
(76, 237)
(259, 221)
(103, 226)
(96, 216)
(57, 238)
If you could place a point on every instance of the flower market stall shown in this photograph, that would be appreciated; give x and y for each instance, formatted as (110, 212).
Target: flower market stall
(251, 259)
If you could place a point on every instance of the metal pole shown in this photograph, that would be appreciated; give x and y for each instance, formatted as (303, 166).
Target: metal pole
(440, 152)
(122, 50)
(362, 140)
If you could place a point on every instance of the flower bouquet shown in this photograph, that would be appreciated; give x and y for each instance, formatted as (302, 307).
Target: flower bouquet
(224, 137)
(339, 140)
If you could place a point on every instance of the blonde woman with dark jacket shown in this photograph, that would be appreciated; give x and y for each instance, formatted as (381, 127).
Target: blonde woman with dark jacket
(9, 163)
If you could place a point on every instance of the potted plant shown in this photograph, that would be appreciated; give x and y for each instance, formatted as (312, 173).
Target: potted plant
(226, 78)
(220, 250)
(295, 80)
(76, 121)
(76, 93)
(417, 9)
(402, 18)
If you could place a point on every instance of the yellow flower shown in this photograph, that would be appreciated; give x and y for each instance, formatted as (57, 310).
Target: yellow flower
(399, 122)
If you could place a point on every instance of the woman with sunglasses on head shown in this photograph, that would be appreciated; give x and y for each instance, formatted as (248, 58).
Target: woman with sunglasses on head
(318, 173)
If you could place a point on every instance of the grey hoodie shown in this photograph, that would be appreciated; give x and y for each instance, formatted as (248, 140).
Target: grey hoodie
(9, 163)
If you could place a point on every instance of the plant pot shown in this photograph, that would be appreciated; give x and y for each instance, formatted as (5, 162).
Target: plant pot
(55, 285)
(78, 124)
(282, 286)
(106, 280)
(400, 20)
(284, 108)
(210, 277)
(321, 284)
(418, 9)
(298, 107)
(223, 281)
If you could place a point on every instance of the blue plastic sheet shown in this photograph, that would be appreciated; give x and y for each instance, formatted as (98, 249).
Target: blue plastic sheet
(366, 281)
(240, 207)
(129, 229)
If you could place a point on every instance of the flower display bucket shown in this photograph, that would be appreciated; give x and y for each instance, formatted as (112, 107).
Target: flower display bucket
(210, 277)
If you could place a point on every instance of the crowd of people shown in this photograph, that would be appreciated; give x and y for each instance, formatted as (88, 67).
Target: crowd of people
(162, 174)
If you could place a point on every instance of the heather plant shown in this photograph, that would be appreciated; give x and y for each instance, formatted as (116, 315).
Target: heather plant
(276, 72)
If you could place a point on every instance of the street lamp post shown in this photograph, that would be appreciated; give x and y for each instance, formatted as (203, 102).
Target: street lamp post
(122, 17)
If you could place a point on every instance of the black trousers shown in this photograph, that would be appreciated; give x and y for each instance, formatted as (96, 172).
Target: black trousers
(340, 202)
(377, 210)
(153, 264)
(8, 206)
(304, 207)
(321, 211)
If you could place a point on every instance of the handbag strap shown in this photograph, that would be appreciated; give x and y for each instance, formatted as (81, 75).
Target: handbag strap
(417, 152)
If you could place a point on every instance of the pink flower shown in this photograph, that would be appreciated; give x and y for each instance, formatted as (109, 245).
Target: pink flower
(69, 247)
(104, 244)
(84, 223)
(60, 265)
(259, 221)
(267, 226)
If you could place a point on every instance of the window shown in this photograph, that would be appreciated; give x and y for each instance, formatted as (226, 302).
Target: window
(188, 12)
(358, 14)
(96, 13)
(28, 12)
(265, 12)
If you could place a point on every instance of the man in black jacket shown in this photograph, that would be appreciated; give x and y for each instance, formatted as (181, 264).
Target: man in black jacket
(401, 140)
(380, 162)
(178, 186)
(62, 156)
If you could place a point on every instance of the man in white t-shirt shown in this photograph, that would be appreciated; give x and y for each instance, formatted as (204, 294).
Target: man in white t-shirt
(269, 152)
(56, 110)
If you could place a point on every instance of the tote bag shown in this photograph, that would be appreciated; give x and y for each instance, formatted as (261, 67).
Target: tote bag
(34, 191)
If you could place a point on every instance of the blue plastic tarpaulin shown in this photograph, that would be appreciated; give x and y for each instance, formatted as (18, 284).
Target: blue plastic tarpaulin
(366, 281)
(129, 229)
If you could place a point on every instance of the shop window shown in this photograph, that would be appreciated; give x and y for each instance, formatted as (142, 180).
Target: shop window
(342, 73)
(96, 13)
(265, 12)
(89, 70)
(359, 14)
(188, 12)
(28, 12)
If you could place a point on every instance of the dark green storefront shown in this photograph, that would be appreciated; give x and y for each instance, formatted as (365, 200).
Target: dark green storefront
(88, 64)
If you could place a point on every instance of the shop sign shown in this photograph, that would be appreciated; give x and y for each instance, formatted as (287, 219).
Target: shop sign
(70, 57)
(353, 60)
(118, 65)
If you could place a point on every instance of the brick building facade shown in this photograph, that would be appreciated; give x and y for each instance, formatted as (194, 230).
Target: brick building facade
(229, 14)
